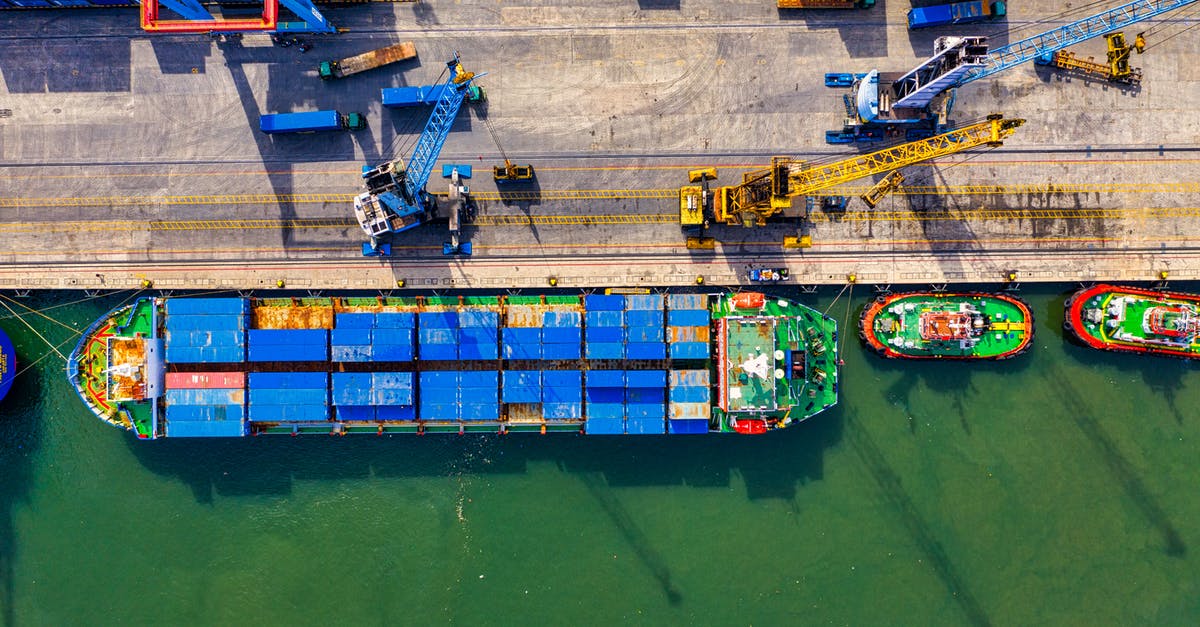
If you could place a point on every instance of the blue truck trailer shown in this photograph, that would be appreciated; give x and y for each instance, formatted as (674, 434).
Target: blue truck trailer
(310, 122)
(955, 13)
(425, 95)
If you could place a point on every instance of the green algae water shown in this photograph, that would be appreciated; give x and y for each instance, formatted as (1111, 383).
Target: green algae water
(1059, 487)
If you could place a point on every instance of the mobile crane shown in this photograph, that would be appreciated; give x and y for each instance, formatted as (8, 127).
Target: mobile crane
(917, 103)
(396, 200)
(1117, 70)
(765, 193)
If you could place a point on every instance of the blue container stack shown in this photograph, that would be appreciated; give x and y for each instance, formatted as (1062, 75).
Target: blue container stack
(562, 334)
(370, 396)
(559, 392)
(438, 333)
(626, 401)
(369, 337)
(288, 396)
(459, 395)
(479, 334)
(644, 327)
(205, 330)
(690, 397)
(562, 395)
(605, 402)
(480, 391)
(288, 345)
(392, 337)
(688, 326)
(646, 401)
(198, 413)
(605, 327)
(522, 337)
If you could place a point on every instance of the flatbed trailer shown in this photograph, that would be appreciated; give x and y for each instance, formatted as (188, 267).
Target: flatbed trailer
(826, 4)
(403, 51)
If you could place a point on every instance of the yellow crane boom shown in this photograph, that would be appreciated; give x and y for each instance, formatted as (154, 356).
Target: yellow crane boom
(764, 193)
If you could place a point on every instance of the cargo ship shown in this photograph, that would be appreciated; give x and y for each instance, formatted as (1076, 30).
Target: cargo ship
(8, 365)
(946, 325)
(644, 363)
(1110, 317)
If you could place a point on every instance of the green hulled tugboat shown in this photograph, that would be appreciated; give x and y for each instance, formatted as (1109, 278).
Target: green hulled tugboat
(1132, 319)
(927, 325)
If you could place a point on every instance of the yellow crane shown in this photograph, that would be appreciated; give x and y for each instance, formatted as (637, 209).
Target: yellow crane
(767, 192)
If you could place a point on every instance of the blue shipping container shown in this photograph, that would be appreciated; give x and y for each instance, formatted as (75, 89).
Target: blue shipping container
(561, 319)
(210, 429)
(688, 318)
(604, 426)
(688, 426)
(287, 337)
(644, 318)
(478, 318)
(395, 320)
(260, 396)
(645, 426)
(288, 380)
(646, 350)
(605, 350)
(643, 301)
(355, 414)
(438, 320)
(560, 351)
(352, 354)
(283, 352)
(605, 319)
(606, 335)
(600, 302)
(189, 322)
(689, 350)
(647, 379)
(206, 306)
(606, 378)
(303, 122)
(350, 337)
(392, 352)
(404, 412)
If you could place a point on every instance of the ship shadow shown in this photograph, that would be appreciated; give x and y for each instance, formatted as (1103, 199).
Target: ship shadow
(769, 466)
(952, 379)
(20, 437)
(1161, 373)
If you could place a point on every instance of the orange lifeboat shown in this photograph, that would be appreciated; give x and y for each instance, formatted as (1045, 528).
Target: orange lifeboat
(749, 426)
(749, 300)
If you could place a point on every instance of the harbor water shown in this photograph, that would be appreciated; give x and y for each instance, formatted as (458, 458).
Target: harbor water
(1060, 487)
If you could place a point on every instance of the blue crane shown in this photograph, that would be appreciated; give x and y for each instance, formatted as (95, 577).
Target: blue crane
(396, 200)
(917, 102)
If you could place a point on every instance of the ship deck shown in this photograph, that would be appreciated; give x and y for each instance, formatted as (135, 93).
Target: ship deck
(146, 162)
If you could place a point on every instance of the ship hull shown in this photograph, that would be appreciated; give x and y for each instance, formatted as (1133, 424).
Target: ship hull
(629, 363)
(956, 326)
(1123, 319)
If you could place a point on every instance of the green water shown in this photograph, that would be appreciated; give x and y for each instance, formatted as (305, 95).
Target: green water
(1056, 488)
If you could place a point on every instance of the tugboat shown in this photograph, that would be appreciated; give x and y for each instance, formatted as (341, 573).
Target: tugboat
(1136, 320)
(928, 325)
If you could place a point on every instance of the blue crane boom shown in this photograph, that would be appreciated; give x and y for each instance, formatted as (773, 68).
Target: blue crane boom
(396, 199)
(883, 104)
